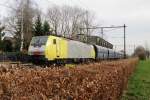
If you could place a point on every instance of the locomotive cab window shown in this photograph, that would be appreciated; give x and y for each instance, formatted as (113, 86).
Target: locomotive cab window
(39, 40)
(54, 41)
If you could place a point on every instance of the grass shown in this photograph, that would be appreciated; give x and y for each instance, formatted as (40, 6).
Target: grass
(139, 83)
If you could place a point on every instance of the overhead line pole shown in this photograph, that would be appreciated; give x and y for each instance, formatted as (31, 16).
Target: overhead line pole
(124, 40)
(102, 32)
(103, 27)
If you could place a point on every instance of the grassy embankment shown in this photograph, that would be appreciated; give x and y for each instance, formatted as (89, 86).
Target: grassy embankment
(139, 83)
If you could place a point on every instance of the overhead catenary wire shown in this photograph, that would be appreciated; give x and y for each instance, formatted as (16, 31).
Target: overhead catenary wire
(110, 30)
(111, 27)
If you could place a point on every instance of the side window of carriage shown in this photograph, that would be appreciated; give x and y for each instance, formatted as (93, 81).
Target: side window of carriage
(54, 41)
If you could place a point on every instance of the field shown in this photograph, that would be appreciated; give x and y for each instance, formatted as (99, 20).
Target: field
(97, 81)
(139, 83)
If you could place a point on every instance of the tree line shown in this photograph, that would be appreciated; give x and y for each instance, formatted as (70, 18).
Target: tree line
(24, 16)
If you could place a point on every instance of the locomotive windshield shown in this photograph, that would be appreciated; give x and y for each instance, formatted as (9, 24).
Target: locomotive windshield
(39, 40)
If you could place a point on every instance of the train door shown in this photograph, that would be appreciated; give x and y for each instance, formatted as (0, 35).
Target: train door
(58, 48)
(108, 54)
(96, 52)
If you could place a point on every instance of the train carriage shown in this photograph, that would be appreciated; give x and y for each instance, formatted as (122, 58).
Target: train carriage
(111, 54)
(54, 48)
(101, 52)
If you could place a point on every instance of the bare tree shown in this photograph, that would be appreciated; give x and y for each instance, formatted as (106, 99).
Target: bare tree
(54, 18)
(140, 52)
(19, 23)
(1, 27)
(66, 20)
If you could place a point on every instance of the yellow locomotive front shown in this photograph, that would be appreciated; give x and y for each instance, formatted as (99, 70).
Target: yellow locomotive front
(48, 48)
(56, 48)
(37, 47)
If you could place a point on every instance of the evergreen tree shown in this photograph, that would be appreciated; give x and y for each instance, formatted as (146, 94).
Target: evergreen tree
(38, 30)
(7, 46)
(1, 42)
(1, 35)
(46, 28)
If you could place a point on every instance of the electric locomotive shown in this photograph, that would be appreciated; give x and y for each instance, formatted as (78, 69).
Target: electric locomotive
(54, 48)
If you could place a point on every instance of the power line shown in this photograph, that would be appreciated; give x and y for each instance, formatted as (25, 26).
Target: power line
(111, 27)
(110, 30)
(117, 37)
(98, 27)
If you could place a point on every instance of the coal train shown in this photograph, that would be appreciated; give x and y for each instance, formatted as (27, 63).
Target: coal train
(59, 49)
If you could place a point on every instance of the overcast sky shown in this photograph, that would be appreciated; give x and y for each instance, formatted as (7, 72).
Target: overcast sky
(134, 13)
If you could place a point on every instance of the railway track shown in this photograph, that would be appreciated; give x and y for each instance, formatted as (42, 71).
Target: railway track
(11, 64)
(28, 64)
(16, 64)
